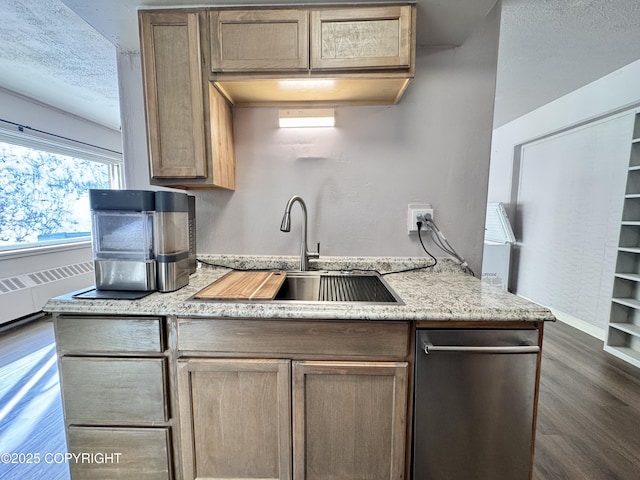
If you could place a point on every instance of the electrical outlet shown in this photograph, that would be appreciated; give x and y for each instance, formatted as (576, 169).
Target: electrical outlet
(415, 210)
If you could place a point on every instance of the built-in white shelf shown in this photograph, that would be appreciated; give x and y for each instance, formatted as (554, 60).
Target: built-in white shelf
(625, 353)
(628, 302)
(629, 249)
(623, 334)
(627, 328)
(634, 277)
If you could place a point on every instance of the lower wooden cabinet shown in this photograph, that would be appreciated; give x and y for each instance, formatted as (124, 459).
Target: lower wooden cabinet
(232, 399)
(114, 377)
(347, 419)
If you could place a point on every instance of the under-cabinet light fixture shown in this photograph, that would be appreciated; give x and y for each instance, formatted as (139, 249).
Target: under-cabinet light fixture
(306, 84)
(310, 117)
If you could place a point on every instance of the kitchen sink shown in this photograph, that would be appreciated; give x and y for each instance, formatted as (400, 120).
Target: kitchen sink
(329, 286)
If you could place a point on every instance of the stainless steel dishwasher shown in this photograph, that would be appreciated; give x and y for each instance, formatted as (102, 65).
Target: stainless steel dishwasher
(474, 404)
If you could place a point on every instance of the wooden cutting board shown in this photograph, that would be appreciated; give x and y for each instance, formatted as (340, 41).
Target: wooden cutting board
(244, 286)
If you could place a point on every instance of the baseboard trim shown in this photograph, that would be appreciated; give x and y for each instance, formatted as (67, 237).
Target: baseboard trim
(19, 322)
(586, 327)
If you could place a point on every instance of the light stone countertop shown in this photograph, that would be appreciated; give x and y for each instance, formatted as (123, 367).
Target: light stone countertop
(442, 293)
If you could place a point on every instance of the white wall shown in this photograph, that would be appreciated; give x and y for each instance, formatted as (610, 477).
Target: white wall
(358, 178)
(570, 203)
(611, 94)
(19, 109)
(579, 117)
(134, 140)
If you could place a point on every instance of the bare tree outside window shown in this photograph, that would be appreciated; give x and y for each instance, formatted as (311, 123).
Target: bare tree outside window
(44, 196)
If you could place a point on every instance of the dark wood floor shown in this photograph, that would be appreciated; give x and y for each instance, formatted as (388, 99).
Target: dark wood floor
(588, 420)
(30, 406)
(588, 411)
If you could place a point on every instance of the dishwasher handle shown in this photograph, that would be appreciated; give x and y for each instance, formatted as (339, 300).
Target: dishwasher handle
(431, 348)
(516, 346)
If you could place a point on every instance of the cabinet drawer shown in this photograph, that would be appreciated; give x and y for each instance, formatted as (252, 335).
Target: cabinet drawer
(137, 453)
(108, 335)
(294, 337)
(113, 391)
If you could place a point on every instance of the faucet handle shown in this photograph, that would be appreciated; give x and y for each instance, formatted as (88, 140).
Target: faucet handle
(315, 254)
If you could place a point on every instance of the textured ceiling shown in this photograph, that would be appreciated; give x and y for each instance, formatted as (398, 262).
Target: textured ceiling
(549, 48)
(52, 51)
(440, 22)
(51, 55)
(63, 52)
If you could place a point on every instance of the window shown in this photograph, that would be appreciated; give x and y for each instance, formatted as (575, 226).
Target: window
(44, 190)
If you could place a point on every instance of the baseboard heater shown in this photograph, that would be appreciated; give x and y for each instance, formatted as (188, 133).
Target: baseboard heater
(25, 294)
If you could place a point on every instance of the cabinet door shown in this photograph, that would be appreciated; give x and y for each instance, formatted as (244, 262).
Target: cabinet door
(235, 418)
(174, 98)
(259, 40)
(349, 420)
(375, 37)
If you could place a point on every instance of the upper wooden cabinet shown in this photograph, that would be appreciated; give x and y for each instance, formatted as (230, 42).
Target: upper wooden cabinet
(334, 39)
(198, 62)
(374, 37)
(189, 124)
(361, 55)
(259, 40)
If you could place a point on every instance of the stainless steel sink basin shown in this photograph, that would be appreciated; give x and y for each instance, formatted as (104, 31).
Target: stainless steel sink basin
(325, 286)
(303, 287)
